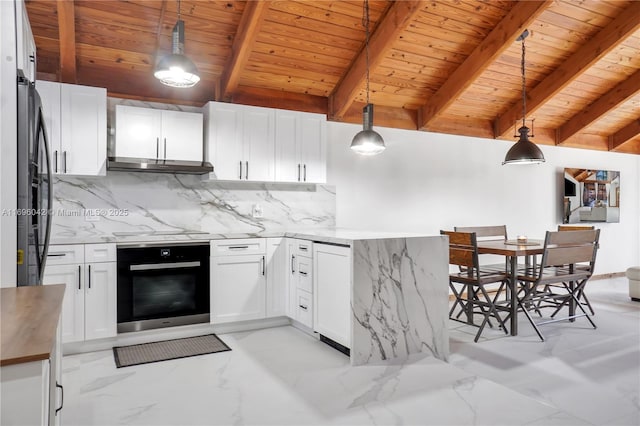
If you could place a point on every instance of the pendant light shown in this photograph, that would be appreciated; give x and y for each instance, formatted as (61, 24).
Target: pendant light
(524, 151)
(367, 141)
(176, 70)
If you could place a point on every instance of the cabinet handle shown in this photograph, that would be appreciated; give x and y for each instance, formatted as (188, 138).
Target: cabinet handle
(293, 269)
(303, 248)
(56, 254)
(165, 148)
(298, 172)
(58, 385)
(32, 58)
(56, 160)
(64, 157)
(157, 148)
(305, 172)
(246, 172)
(79, 275)
(241, 170)
(263, 265)
(303, 273)
(238, 247)
(303, 307)
(89, 276)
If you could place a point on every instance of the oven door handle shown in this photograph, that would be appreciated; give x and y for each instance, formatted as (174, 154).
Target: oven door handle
(172, 265)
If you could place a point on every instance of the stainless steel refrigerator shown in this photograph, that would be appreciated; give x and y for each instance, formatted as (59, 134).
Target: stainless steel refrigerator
(34, 187)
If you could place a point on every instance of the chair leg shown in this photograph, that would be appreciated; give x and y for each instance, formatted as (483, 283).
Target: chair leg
(490, 309)
(522, 302)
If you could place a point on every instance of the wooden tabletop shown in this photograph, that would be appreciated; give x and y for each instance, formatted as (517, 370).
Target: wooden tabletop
(505, 249)
(28, 321)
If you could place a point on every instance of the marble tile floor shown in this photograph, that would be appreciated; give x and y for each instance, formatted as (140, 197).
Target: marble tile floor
(281, 376)
(592, 375)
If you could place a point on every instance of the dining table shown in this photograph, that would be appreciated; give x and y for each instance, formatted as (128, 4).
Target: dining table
(512, 250)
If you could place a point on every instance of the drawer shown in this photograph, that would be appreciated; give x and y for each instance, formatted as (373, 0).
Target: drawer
(238, 247)
(65, 254)
(305, 274)
(303, 248)
(94, 253)
(304, 308)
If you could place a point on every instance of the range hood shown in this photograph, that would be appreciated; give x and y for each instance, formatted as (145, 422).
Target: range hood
(126, 164)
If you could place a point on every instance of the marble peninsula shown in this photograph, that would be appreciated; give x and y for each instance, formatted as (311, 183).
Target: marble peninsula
(399, 294)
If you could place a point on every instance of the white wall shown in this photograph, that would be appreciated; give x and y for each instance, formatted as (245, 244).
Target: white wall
(425, 182)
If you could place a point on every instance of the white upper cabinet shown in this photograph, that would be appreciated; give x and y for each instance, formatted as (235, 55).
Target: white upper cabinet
(158, 134)
(240, 141)
(26, 46)
(300, 147)
(264, 144)
(76, 122)
(182, 135)
(137, 132)
(258, 131)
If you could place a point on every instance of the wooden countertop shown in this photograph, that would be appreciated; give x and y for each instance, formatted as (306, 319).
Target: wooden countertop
(28, 320)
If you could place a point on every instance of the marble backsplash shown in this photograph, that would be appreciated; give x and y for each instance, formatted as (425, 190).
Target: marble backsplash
(93, 207)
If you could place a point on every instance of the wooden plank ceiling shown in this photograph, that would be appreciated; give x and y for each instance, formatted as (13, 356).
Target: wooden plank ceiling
(450, 66)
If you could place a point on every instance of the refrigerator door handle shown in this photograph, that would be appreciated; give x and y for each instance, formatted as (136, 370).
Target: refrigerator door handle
(47, 232)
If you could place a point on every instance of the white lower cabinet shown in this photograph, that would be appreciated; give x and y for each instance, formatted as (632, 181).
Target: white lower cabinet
(238, 282)
(32, 391)
(89, 305)
(300, 277)
(332, 292)
(304, 308)
(100, 300)
(277, 289)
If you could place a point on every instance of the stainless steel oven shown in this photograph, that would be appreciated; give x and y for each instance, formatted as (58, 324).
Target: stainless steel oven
(162, 286)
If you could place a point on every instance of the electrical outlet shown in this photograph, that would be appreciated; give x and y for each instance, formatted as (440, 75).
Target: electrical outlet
(256, 211)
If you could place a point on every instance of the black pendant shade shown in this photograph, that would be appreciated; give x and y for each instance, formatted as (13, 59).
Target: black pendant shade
(524, 151)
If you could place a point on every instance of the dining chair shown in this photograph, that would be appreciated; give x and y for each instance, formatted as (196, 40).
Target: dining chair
(469, 284)
(581, 296)
(558, 270)
(486, 233)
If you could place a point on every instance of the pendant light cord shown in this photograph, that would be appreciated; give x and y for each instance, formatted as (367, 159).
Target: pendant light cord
(365, 23)
(524, 93)
(178, 10)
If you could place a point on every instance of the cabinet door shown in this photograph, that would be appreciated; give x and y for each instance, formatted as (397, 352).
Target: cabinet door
(277, 289)
(83, 133)
(73, 302)
(237, 288)
(138, 132)
(258, 138)
(313, 148)
(332, 292)
(50, 96)
(181, 136)
(288, 167)
(100, 300)
(224, 139)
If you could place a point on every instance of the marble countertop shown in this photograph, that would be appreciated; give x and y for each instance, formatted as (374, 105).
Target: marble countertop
(327, 235)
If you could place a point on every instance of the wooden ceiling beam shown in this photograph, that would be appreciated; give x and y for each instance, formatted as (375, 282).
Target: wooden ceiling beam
(619, 94)
(624, 135)
(595, 49)
(248, 29)
(67, 37)
(394, 22)
(501, 37)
